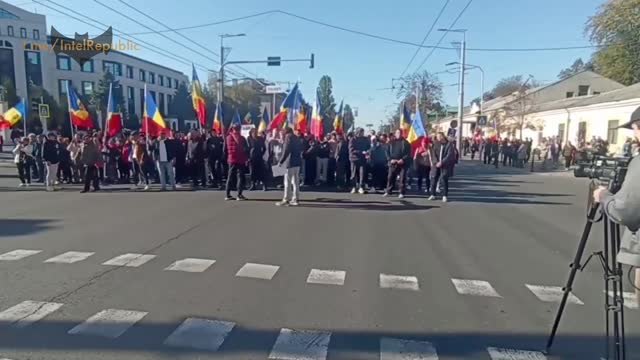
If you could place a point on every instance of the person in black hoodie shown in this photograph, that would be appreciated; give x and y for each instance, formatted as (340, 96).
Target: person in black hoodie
(399, 155)
(215, 144)
(342, 161)
(358, 149)
(443, 158)
(257, 149)
(51, 158)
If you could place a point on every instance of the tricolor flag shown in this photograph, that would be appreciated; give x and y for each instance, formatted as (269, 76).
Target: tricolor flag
(217, 119)
(13, 115)
(264, 121)
(77, 112)
(316, 119)
(113, 122)
(198, 98)
(280, 120)
(405, 120)
(301, 120)
(338, 124)
(416, 132)
(236, 119)
(152, 121)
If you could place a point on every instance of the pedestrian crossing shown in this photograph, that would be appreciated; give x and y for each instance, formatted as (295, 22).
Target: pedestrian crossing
(406, 283)
(210, 335)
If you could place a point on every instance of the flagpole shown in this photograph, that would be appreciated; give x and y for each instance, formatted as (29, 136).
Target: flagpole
(146, 121)
(24, 121)
(106, 118)
(69, 106)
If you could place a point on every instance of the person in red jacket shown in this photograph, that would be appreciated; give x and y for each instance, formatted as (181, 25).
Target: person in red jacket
(237, 151)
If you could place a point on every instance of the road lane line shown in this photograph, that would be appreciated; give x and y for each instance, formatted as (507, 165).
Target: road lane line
(110, 323)
(552, 294)
(475, 287)
(326, 277)
(69, 257)
(513, 354)
(398, 349)
(258, 271)
(200, 334)
(399, 282)
(18, 254)
(191, 265)
(28, 312)
(301, 345)
(129, 260)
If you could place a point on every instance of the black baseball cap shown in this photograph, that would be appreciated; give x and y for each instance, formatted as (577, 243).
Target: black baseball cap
(635, 117)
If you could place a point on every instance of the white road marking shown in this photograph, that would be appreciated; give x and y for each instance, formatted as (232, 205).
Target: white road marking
(399, 282)
(258, 271)
(301, 345)
(630, 299)
(552, 294)
(327, 277)
(109, 323)
(200, 334)
(191, 265)
(28, 312)
(398, 349)
(18, 254)
(513, 354)
(474, 287)
(129, 260)
(69, 257)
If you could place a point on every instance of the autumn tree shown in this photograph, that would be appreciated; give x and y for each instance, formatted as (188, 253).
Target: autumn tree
(423, 86)
(577, 67)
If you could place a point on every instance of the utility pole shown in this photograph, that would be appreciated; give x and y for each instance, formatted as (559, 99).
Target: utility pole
(463, 49)
(222, 58)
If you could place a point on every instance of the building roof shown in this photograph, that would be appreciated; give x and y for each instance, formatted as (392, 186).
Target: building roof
(626, 93)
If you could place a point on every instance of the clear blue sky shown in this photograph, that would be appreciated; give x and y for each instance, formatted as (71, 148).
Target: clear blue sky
(359, 66)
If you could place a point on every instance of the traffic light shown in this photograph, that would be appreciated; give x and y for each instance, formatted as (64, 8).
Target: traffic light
(313, 61)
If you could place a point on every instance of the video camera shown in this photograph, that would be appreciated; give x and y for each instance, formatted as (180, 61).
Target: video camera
(605, 170)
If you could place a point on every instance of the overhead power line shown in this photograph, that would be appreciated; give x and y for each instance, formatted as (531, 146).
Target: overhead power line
(433, 25)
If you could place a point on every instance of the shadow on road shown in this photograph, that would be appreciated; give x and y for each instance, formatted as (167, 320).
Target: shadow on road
(19, 227)
(51, 336)
(348, 204)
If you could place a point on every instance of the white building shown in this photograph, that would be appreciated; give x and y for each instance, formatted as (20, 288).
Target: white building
(23, 60)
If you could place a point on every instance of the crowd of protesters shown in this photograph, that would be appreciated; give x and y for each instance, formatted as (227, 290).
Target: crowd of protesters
(283, 159)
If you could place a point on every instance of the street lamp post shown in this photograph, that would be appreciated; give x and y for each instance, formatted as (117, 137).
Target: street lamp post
(463, 50)
(221, 72)
(470, 66)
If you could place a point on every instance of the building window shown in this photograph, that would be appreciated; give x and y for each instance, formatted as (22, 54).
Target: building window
(33, 57)
(23, 33)
(141, 102)
(33, 67)
(160, 80)
(168, 82)
(112, 67)
(583, 90)
(87, 88)
(152, 78)
(87, 66)
(62, 86)
(612, 132)
(129, 72)
(161, 103)
(64, 63)
(4, 14)
(131, 100)
(175, 83)
(142, 76)
(169, 101)
(596, 93)
(36, 34)
(569, 94)
(9, 30)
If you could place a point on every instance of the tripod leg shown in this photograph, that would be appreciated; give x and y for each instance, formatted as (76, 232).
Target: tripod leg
(575, 265)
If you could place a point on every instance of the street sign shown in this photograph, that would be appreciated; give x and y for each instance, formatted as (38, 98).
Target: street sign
(43, 111)
(482, 120)
(273, 61)
(274, 89)
(453, 124)
(451, 132)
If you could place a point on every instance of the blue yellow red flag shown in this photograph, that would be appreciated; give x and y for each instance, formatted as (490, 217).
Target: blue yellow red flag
(217, 119)
(338, 121)
(236, 119)
(152, 120)
(77, 111)
(316, 119)
(197, 97)
(113, 123)
(288, 105)
(264, 121)
(13, 115)
(405, 120)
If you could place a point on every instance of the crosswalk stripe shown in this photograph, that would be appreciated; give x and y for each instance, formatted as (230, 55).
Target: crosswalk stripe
(552, 294)
(28, 312)
(69, 257)
(191, 265)
(258, 271)
(200, 334)
(398, 349)
(630, 299)
(513, 354)
(18, 254)
(399, 282)
(475, 287)
(301, 345)
(110, 323)
(129, 260)
(326, 277)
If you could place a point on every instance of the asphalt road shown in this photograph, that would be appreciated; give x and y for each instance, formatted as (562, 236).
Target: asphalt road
(340, 277)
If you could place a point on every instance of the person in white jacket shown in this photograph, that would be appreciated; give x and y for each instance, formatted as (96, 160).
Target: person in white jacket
(24, 160)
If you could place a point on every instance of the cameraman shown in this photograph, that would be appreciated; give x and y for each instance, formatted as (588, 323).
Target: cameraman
(624, 207)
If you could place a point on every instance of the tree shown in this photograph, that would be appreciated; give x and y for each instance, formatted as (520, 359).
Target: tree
(59, 115)
(616, 28)
(426, 85)
(181, 105)
(327, 102)
(577, 67)
(348, 118)
(100, 97)
(510, 85)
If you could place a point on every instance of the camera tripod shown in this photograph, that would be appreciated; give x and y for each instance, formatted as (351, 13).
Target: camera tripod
(614, 309)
